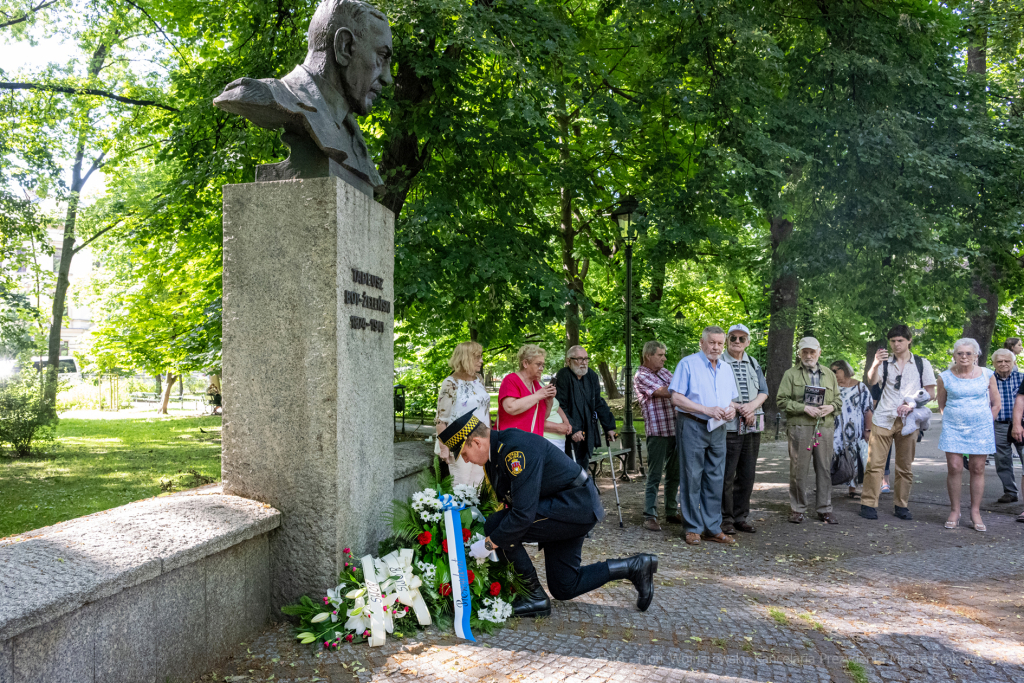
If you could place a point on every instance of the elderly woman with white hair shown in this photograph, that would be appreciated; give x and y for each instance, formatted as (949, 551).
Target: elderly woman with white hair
(969, 403)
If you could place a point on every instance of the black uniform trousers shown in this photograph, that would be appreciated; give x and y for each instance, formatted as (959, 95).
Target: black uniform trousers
(562, 543)
(741, 452)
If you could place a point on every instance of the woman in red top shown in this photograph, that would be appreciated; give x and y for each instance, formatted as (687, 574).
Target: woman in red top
(522, 402)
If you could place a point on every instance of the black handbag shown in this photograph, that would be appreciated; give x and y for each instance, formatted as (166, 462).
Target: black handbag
(843, 467)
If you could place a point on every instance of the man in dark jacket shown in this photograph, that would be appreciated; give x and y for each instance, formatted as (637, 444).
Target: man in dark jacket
(550, 500)
(579, 395)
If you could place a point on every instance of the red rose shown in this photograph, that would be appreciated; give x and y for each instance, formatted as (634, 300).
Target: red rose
(471, 575)
(425, 538)
(495, 588)
(445, 589)
(444, 546)
(466, 534)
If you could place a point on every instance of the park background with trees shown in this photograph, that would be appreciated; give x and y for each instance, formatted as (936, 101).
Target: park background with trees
(825, 167)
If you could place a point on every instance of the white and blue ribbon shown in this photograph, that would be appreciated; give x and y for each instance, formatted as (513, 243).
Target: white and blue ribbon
(457, 566)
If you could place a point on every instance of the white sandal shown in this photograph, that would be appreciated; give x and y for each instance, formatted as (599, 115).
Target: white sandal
(953, 524)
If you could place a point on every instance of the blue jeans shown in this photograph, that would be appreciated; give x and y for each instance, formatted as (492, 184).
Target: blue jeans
(701, 475)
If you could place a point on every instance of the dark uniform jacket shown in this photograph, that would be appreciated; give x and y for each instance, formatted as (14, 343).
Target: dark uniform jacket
(535, 481)
(580, 398)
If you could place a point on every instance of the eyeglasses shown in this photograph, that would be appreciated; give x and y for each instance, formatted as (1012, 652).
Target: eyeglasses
(737, 338)
(964, 354)
(898, 382)
(584, 359)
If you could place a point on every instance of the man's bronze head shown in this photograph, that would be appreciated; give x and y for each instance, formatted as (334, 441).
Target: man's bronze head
(350, 45)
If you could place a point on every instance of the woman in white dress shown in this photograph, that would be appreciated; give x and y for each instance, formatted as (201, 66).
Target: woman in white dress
(461, 392)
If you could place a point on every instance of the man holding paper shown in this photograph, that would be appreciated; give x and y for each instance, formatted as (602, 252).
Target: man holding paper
(703, 391)
(809, 393)
(549, 499)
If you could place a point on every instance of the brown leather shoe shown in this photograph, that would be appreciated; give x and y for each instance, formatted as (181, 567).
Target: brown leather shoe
(674, 519)
(651, 524)
(692, 539)
(719, 538)
(828, 518)
(796, 517)
(744, 527)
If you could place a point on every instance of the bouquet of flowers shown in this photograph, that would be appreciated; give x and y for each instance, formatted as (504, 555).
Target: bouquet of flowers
(413, 574)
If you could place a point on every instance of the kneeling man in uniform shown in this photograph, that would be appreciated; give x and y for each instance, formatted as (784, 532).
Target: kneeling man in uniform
(549, 499)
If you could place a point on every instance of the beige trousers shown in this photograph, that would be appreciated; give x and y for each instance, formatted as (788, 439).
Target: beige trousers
(800, 462)
(878, 451)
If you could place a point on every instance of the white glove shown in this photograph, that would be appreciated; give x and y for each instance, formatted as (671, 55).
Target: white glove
(478, 550)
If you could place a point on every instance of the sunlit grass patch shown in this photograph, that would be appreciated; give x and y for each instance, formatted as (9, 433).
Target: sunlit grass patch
(99, 464)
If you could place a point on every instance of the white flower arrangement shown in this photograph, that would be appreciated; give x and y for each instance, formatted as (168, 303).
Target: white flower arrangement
(497, 610)
(427, 506)
(465, 495)
(428, 573)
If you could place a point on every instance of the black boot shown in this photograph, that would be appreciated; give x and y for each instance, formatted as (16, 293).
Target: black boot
(640, 570)
(535, 603)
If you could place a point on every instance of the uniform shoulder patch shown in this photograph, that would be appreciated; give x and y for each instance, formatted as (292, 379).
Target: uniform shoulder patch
(516, 463)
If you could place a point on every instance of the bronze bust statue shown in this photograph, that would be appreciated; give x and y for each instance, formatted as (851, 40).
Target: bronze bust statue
(347, 63)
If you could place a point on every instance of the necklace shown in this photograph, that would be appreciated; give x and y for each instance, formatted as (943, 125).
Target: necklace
(963, 376)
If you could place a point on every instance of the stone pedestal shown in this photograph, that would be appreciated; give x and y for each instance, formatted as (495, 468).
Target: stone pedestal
(308, 366)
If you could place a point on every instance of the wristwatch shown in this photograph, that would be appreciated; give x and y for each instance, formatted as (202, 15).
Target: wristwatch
(488, 544)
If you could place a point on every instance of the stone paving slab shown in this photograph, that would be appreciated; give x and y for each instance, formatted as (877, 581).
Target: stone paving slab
(879, 601)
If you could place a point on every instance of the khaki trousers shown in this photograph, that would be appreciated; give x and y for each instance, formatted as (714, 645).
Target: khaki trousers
(878, 452)
(800, 460)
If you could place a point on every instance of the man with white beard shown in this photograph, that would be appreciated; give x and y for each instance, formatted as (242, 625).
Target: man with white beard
(579, 396)
(809, 393)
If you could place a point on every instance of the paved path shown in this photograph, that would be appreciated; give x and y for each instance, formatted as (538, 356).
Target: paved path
(887, 600)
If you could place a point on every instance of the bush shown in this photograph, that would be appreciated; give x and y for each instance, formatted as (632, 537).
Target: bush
(23, 418)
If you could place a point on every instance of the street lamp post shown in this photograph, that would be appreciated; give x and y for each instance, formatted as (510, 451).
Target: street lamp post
(623, 215)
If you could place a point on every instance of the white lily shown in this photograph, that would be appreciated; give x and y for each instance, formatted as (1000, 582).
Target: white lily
(358, 616)
(355, 593)
(334, 594)
(323, 616)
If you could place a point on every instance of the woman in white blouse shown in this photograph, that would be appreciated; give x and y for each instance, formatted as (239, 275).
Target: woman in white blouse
(461, 392)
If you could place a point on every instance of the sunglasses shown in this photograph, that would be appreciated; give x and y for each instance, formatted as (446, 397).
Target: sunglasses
(737, 338)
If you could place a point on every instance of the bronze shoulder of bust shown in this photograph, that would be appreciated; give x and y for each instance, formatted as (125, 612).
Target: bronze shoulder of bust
(348, 63)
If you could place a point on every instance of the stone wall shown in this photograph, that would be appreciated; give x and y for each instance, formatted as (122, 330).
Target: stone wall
(157, 590)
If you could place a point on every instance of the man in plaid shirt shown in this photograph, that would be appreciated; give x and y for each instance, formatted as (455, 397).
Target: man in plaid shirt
(651, 383)
(1008, 380)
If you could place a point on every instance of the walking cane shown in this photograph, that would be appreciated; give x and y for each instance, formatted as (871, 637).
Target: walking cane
(615, 485)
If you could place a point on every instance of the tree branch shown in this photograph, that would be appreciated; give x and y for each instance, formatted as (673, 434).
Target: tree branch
(38, 8)
(45, 87)
(95, 237)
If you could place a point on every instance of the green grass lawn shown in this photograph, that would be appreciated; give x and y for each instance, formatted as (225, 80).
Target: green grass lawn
(100, 464)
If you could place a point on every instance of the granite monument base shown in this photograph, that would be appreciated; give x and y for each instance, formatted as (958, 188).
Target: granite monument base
(308, 365)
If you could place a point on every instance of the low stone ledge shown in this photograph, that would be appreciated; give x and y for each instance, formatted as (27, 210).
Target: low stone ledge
(51, 572)
(411, 458)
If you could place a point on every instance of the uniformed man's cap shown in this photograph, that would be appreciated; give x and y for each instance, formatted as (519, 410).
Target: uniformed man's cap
(455, 434)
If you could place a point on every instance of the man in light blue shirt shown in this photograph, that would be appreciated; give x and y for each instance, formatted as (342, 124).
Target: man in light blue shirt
(703, 391)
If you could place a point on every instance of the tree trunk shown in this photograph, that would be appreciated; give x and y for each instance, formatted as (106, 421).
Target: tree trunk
(78, 180)
(785, 292)
(159, 384)
(870, 349)
(168, 386)
(574, 271)
(610, 389)
(403, 156)
(981, 321)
